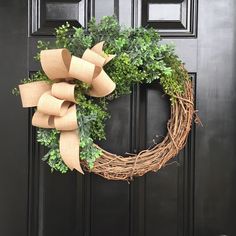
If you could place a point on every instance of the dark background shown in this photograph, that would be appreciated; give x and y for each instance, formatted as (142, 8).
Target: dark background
(193, 196)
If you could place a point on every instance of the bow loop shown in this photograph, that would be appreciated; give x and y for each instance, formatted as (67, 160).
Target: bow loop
(98, 48)
(42, 120)
(81, 70)
(68, 121)
(64, 91)
(94, 58)
(31, 92)
(55, 63)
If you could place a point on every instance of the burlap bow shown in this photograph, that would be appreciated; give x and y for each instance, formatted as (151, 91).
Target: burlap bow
(56, 103)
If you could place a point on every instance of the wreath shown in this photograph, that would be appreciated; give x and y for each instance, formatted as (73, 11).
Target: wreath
(82, 71)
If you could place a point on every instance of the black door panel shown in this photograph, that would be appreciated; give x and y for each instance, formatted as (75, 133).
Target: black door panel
(194, 195)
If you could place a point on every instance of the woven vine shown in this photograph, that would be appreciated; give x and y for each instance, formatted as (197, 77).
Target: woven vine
(139, 59)
(114, 167)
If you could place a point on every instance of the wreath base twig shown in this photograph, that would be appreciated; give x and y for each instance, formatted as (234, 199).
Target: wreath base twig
(114, 167)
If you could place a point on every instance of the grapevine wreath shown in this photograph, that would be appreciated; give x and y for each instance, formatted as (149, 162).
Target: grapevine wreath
(82, 70)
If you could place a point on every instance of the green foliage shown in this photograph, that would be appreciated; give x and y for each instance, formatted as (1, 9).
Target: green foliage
(41, 46)
(173, 83)
(97, 112)
(88, 151)
(80, 42)
(108, 29)
(37, 76)
(121, 68)
(54, 160)
(140, 58)
(63, 36)
(50, 139)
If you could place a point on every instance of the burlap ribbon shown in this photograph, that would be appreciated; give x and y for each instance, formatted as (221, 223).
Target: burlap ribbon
(56, 104)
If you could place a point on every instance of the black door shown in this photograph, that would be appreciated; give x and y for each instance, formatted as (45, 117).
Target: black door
(194, 195)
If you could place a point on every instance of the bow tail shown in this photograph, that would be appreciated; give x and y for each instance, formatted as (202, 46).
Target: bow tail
(69, 149)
